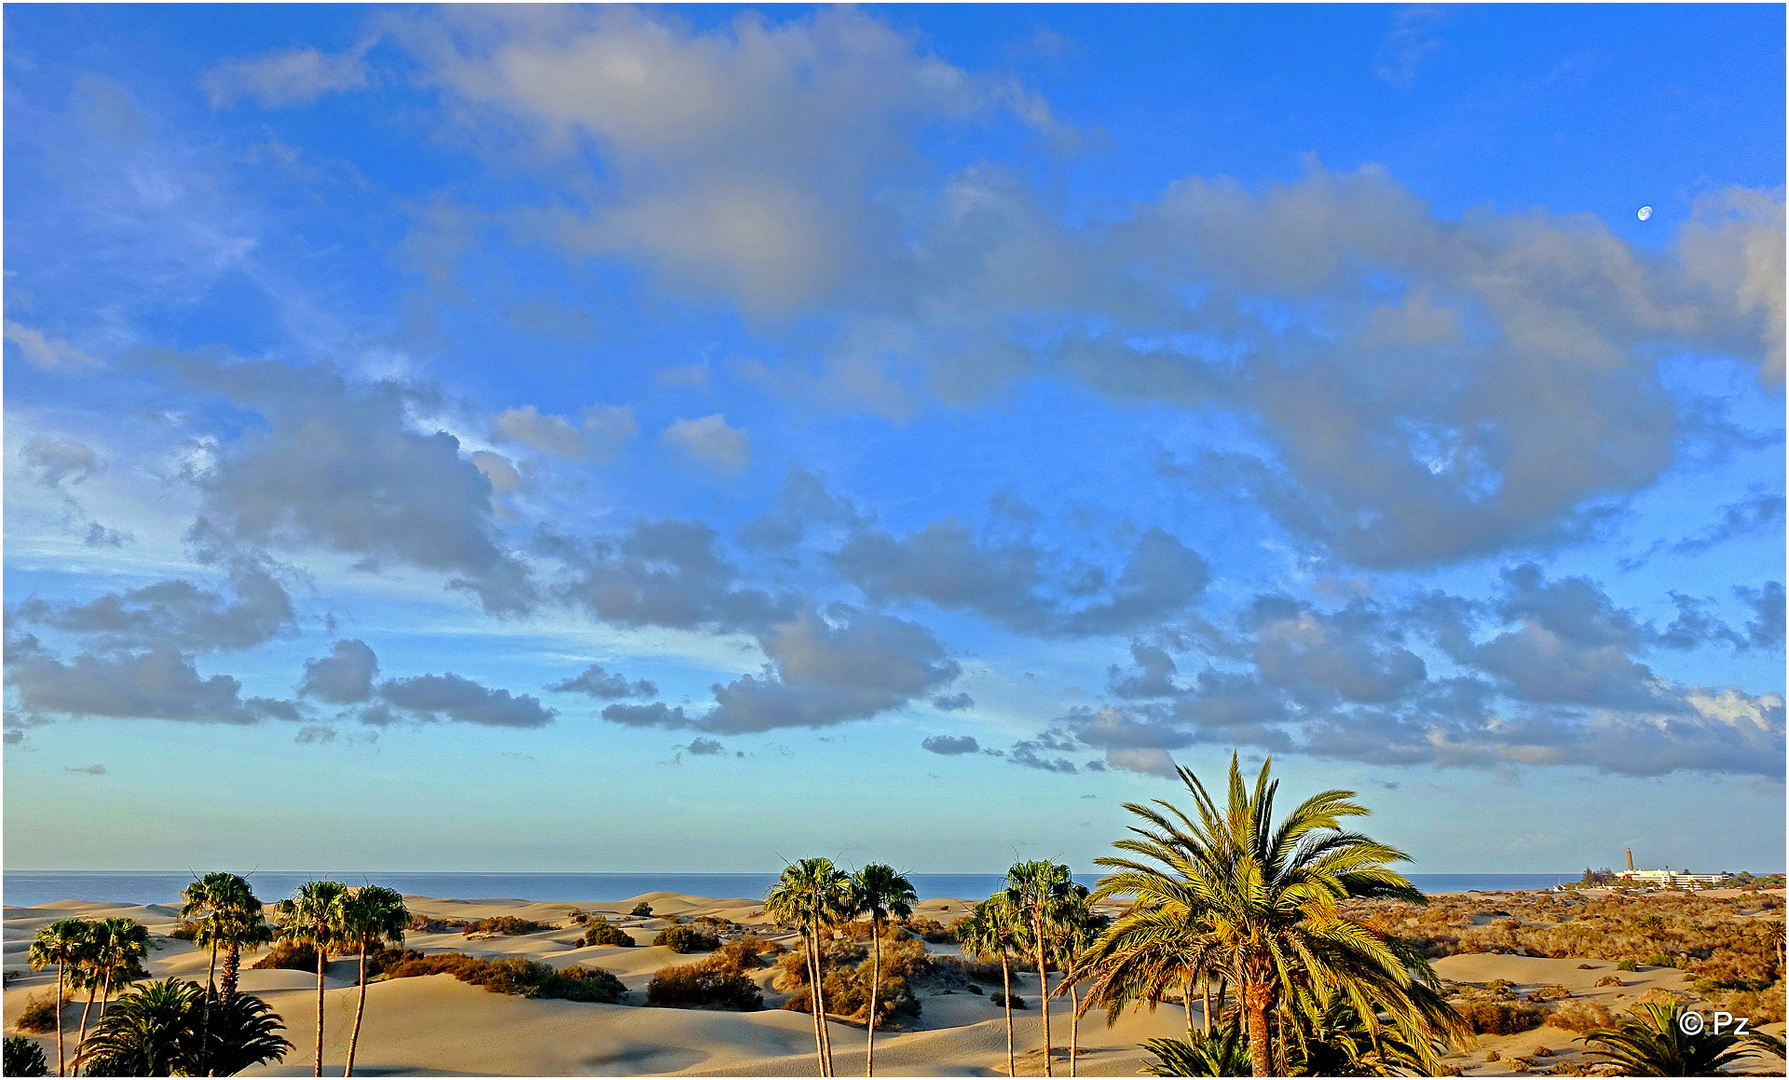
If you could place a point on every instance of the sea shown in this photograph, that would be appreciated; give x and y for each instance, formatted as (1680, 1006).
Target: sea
(29, 888)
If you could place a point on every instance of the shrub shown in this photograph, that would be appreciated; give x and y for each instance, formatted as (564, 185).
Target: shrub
(1498, 1017)
(848, 995)
(1659, 959)
(515, 975)
(932, 930)
(290, 956)
(379, 961)
(707, 984)
(686, 939)
(747, 952)
(599, 932)
(24, 1057)
(1627, 965)
(1586, 967)
(1581, 1016)
(1550, 992)
(968, 970)
(642, 910)
(1762, 1006)
(507, 925)
(575, 982)
(579, 916)
(1001, 999)
(422, 924)
(39, 1014)
(184, 930)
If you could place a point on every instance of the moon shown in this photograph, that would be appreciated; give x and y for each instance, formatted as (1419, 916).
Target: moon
(1645, 212)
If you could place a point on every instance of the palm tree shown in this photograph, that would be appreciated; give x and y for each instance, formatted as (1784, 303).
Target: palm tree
(1078, 928)
(1264, 903)
(58, 943)
(236, 924)
(313, 917)
(1040, 892)
(1218, 1052)
(1656, 1045)
(812, 893)
(879, 891)
(373, 916)
(156, 1031)
(83, 974)
(1161, 942)
(123, 946)
(992, 929)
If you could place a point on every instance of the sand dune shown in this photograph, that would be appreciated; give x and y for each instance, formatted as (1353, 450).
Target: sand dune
(437, 1025)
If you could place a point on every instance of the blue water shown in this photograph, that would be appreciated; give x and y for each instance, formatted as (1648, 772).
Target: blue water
(27, 888)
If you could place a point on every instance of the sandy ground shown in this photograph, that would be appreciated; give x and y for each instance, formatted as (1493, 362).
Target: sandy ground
(438, 1025)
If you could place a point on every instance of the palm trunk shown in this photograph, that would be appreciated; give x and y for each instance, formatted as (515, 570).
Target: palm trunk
(869, 1055)
(1254, 1000)
(1074, 1026)
(1206, 986)
(1186, 1001)
(205, 1024)
(61, 971)
(820, 1001)
(1043, 989)
(813, 951)
(1006, 981)
(105, 994)
(359, 1011)
(81, 1033)
(226, 990)
(317, 1067)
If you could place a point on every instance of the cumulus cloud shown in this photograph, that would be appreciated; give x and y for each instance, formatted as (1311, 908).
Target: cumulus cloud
(953, 702)
(950, 745)
(62, 460)
(345, 677)
(1765, 629)
(712, 442)
(156, 684)
(177, 613)
(598, 683)
(296, 76)
(436, 697)
(338, 466)
(667, 573)
(43, 351)
(601, 433)
(700, 747)
(1147, 762)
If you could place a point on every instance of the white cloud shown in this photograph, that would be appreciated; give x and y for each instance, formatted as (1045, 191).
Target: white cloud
(603, 430)
(297, 76)
(709, 440)
(44, 351)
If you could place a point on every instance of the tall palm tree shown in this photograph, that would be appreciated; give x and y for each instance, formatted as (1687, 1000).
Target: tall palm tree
(237, 924)
(879, 891)
(58, 943)
(83, 974)
(993, 930)
(313, 917)
(373, 916)
(812, 893)
(1656, 1045)
(1267, 897)
(1078, 929)
(123, 946)
(1040, 892)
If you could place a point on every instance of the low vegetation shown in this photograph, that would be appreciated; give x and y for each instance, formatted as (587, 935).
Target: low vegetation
(598, 931)
(687, 939)
(289, 956)
(505, 975)
(39, 1014)
(642, 910)
(24, 1057)
(714, 983)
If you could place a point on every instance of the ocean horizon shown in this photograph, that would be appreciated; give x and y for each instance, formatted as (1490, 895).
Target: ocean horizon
(29, 888)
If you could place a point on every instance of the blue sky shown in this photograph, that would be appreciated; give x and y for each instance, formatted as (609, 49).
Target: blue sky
(639, 439)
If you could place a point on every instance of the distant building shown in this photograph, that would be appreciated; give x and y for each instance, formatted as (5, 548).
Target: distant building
(1664, 877)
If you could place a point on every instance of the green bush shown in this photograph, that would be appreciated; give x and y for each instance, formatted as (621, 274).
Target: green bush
(507, 925)
(39, 1014)
(1499, 1017)
(709, 984)
(598, 932)
(748, 952)
(1001, 999)
(184, 930)
(1627, 965)
(1659, 959)
(289, 956)
(686, 939)
(24, 1057)
(642, 910)
(516, 976)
